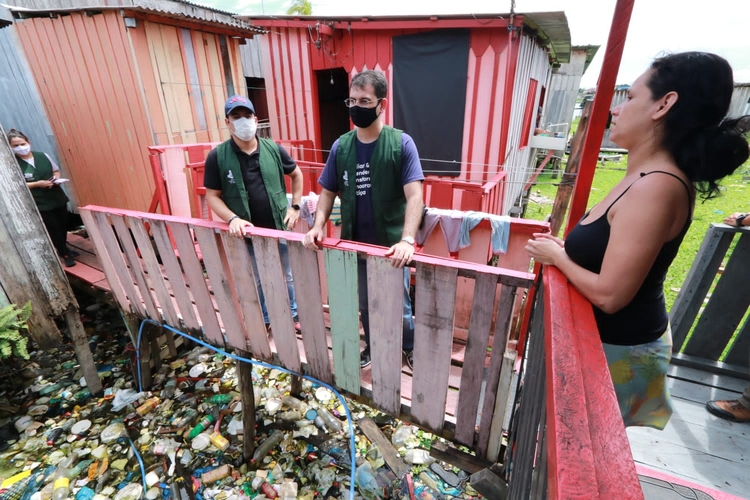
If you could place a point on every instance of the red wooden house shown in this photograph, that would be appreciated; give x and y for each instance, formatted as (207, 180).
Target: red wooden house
(467, 88)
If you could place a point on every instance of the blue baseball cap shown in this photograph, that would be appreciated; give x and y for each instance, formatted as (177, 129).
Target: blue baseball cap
(237, 101)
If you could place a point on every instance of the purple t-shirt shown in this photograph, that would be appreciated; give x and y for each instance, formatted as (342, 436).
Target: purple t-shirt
(364, 223)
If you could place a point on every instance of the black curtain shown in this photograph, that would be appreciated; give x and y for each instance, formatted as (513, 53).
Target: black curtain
(429, 95)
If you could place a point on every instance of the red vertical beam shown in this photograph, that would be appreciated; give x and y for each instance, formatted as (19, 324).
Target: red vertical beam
(605, 89)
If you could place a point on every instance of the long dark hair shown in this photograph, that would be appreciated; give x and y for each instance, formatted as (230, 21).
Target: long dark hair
(17, 134)
(704, 143)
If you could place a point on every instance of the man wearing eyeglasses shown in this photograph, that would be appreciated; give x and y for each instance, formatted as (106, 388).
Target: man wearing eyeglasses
(377, 173)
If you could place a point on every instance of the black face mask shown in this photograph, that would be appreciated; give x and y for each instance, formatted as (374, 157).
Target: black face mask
(363, 117)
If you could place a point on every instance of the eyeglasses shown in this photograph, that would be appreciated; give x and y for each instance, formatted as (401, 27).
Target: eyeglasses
(364, 103)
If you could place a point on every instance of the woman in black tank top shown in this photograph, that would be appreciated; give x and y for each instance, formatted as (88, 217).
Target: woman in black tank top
(679, 142)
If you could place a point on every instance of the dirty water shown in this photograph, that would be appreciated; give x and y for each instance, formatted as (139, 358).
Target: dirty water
(58, 442)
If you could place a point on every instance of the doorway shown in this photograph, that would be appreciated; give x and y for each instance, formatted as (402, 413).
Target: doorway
(333, 89)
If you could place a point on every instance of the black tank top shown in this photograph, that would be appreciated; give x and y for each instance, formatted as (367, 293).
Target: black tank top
(645, 318)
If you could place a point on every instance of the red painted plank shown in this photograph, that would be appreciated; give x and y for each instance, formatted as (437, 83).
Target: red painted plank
(615, 469)
(570, 457)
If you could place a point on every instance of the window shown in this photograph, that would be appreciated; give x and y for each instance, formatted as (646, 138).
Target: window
(529, 115)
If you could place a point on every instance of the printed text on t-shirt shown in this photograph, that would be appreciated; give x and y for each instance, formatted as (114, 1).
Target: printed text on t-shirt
(363, 179)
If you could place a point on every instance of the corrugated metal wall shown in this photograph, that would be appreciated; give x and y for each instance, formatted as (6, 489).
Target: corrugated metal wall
(563, 89)
(290, 85)
(90, 91)
(22, 106)
(483, 151)
(111, 92)
(533, 62)
(740, 100)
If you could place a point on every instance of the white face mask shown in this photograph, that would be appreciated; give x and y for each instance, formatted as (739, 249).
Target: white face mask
(245, 128)
(22, 150)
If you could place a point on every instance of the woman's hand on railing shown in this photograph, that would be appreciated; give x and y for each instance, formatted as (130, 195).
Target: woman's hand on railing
(545, 248)
(237, 227)
(313, 237)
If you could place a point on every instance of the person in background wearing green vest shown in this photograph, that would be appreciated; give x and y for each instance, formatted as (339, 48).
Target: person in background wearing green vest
(373, 166)
(40, 172)
(244, 181)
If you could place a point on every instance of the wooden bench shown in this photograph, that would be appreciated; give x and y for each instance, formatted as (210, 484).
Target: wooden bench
(154, 272)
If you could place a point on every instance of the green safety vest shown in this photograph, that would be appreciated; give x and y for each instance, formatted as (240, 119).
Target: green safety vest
(45, 198)
(233, 190)
(388, 199)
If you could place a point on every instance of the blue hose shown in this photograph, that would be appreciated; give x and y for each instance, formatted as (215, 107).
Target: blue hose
(140, 462)
(352, 449)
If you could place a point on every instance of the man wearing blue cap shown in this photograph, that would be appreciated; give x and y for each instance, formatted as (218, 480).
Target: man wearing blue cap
(244, 181)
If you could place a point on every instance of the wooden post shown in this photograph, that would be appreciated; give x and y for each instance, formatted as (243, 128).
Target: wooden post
(83, 353)
(296, 386)
(248, 405)
(568, 180)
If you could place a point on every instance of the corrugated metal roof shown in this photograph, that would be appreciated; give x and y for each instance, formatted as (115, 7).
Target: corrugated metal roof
(175, 9)
(6, 17)
(591, 51)
(550, 27)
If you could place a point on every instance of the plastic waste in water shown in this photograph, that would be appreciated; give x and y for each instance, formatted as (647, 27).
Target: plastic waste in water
(270, 443)
(331, 422)
(418, 456)
(367, 484)
(204, 424)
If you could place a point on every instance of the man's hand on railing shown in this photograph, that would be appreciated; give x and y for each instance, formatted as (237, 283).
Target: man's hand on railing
(313, 237)
(400, 253)
(237, 227)
(545, 248)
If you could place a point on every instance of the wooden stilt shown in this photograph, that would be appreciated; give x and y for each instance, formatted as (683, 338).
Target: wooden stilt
(131, 324)
(170, 343)
(296, 388)
(153, 338)
(83, 352)
(245, 381)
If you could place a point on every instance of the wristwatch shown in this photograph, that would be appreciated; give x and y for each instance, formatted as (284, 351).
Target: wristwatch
(296, 207)
(740, 218)
(408, 239)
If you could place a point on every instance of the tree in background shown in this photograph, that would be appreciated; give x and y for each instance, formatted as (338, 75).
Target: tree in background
(300, 7)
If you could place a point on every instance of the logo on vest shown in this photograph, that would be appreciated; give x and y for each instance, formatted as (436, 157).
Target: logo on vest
(346, 179)
(28, 176)
(230, 177)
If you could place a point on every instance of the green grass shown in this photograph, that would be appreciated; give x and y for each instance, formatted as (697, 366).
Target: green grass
(735, 197)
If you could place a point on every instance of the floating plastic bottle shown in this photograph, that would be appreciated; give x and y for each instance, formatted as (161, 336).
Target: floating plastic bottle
(219, 399)
(270, 443)
(216, 475)
(186, 419)
(219, 441)
(61, 484)
(331, 422)
(204, 424)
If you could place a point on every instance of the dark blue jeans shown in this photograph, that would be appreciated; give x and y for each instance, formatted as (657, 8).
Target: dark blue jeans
(365, 313)
(284, 252)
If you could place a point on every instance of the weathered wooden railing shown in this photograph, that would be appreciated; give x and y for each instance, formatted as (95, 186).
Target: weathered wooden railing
(703, 329)
(159, 276)
(567, 439)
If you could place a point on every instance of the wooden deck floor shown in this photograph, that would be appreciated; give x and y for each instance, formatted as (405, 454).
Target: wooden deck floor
(695, 445)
